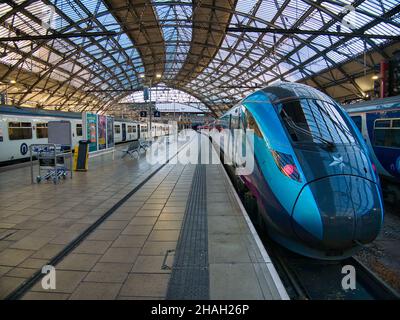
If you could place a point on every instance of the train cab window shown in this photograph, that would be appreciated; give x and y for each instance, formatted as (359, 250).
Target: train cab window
(19, 130)
(387, 133)
(41, 130)
(314, 121)
(117, 129)
(79, 130)
(357, 122)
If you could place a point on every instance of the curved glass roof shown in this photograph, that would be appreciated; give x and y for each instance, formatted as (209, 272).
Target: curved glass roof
(89, 54)
(167, 99)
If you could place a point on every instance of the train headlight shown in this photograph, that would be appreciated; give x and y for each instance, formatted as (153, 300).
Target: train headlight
(286, 165)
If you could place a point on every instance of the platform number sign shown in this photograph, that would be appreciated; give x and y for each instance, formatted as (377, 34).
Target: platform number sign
(143, 114)
(157, 114)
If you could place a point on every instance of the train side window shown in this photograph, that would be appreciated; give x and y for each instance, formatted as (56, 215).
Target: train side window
(19, 130)
(117, 129)
(357, 122)
(224, 122)
(382, 123)
(387, 133)
(387, 138)
(129, 129)
(79, 130)
(252, 124)
(134, 129)
(41, 130)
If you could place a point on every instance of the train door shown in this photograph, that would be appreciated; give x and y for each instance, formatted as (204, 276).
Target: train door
(78, 132)
(124, 132)
(2, 142)
(139, 132)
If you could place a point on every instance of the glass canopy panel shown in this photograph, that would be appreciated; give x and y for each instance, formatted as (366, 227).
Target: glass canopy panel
(174, 19)
(163, 95)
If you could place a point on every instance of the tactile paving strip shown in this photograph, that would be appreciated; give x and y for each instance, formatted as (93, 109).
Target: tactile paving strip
(190, 274)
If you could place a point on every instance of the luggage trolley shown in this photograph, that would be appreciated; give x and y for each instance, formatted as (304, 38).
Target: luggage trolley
(52, 160)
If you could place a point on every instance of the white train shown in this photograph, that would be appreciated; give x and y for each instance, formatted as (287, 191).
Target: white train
(21, 127)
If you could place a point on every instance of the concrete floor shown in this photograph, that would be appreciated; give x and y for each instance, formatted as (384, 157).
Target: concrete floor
(123, 258)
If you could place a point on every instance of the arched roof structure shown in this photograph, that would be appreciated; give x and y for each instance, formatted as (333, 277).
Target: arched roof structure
(88, 54)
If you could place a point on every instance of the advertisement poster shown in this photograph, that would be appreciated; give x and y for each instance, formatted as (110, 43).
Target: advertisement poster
(91, 125)
(110, 132)
(102, 123)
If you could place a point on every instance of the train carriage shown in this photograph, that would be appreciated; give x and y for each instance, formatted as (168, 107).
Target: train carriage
(20, 127)
(379, 123)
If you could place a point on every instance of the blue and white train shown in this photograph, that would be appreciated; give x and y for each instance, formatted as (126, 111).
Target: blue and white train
(21, 127)
(379, 123)
(314, 185)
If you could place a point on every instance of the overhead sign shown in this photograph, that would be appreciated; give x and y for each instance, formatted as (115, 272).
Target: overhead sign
(146, 93)
(143, 114)
(3, 98)
(157, 114)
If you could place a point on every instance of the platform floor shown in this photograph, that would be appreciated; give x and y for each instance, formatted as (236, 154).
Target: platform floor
(131, 254)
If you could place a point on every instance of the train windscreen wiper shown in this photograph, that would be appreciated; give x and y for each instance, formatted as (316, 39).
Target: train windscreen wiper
(294, 126)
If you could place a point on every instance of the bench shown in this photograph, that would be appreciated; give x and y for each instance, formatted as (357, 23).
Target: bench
(134, 147)
(144, 144)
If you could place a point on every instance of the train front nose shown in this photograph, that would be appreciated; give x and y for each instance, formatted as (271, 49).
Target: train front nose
(337, 212)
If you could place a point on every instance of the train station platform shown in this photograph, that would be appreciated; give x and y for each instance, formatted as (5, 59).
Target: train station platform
(129, 229)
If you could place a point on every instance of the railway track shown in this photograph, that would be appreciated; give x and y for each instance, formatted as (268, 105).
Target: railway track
(310, 279)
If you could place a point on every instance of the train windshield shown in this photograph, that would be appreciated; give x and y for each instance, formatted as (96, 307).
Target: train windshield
(315, 121)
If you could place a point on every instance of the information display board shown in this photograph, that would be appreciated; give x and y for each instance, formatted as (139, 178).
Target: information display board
(90, 121)
(110, 132)
(102, 132)
(59, 132)
(99, 131)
